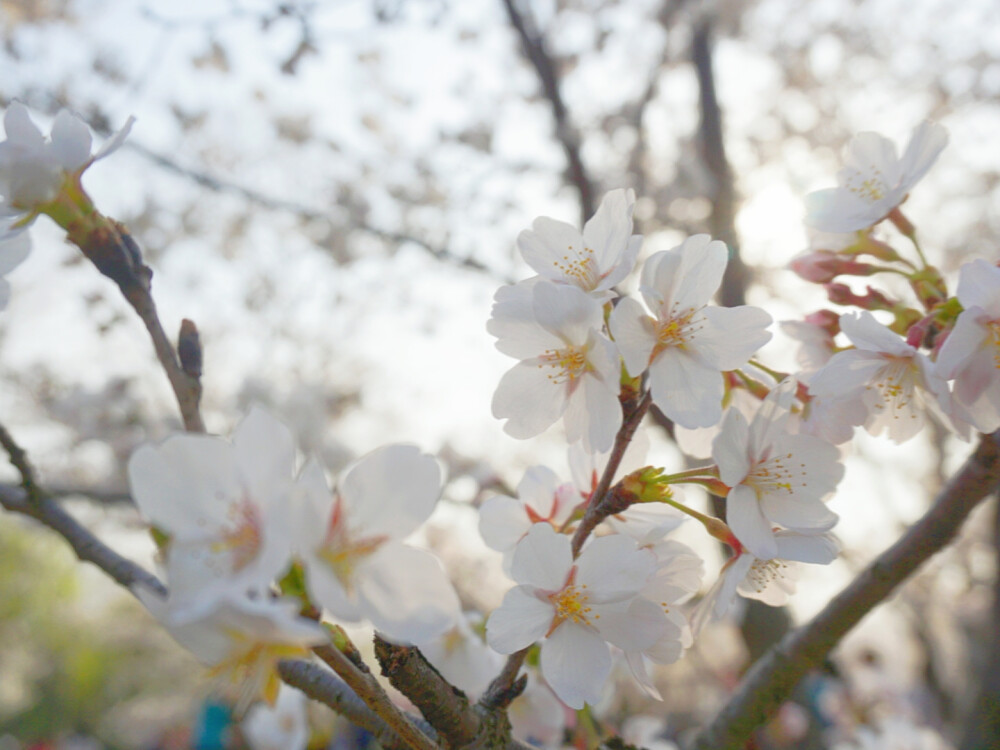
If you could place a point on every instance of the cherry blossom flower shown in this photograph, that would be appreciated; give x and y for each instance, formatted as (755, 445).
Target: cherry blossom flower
(351, 544)
(896, 383)
(971, 354)
(536, 716)
(225, 505)
(578, 608)
(687, 345)
(541, 498)
(594, 261)
(568, 368)
(33, 169)
(775, 477)
(241, 639)
(874, 180)
(770, 580)
(462, 658)
(283, 726)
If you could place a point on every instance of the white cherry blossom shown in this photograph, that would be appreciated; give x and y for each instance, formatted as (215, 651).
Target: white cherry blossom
(14, 248)
(594, 261)
(971, 354)
(351, 544)
(568, 368)
(896, 382)
(770, 580)
(241, 639)
(33, 167)
(874, 180)
(686, 344)
(226, 507)
(775, 477)
(578, 607)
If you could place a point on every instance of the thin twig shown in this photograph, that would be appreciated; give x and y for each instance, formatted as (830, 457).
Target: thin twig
(771, 680)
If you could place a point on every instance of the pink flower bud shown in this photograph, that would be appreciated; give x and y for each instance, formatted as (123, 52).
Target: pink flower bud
(823, 266)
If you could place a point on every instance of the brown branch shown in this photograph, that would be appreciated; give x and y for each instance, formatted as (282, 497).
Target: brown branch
(323, 686)
(771, 680)
(534, 48)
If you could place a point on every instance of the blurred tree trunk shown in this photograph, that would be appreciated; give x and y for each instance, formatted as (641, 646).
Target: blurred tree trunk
(982, 727)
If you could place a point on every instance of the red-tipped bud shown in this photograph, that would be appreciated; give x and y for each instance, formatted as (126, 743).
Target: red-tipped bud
(828, 320)
(823, 266)
(841, 294)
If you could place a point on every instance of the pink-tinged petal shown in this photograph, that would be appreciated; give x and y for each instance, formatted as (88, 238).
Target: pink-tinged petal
(634, 335)
(867, 333)
(537, 490)
(71, 141)
(13, 251)
(744, 516)
(542, 558)
(265, 453)
(926, 143)
(502, 522)
(608, 231)
(800, 515)
(528, 400)
(731, 335)
(979, 286)
(19, 127)
(820, 549)
(965, 340)
(406, 594)
(550, 247)
(391, 491)
(686, 390)
(729, 449)
(186, 484)
(632, 628)
(520, 620)
(625, 264)
(328, 591)
(977, 375)
(114, 142)
(613, 568)
(566, 312)
(576, 663)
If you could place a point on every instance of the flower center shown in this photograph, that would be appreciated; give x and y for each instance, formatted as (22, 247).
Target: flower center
(568, 364)
(580, 267)
(343, 553)
(250, 668)
(765, 572)
(776, 474)
(675, 330)
(571, 604)
(872, 188)
(244, 539)
(895, 387)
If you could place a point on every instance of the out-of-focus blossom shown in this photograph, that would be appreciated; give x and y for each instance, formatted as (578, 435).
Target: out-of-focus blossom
(283, 726)
(971, 354)
(686, 344)
(225, 506)
(33, 168)
(874, 180)
(895, 733)
(775, 477)
(594, 261)
(536, 716)
(568, 368)
(241, 639)
(770, 580)
(578, 607)
(351, 543)
(896, 382)
(14, 248)
(462, 658)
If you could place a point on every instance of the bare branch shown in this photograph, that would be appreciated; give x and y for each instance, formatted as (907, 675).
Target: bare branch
(533, 46)
(771, 680)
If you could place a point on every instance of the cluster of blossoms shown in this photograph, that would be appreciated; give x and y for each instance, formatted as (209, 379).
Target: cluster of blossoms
(235, 517)
(256, 548)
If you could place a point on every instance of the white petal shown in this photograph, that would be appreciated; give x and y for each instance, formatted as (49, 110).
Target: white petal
(731, 335)
(797, 514)
(406, 594)
(550, 247)
(19, 127)
(608, 231)
(70, 141)
(633, 333)
(820, 549)
(327, 590)
(576, 663)
(744, 517)
(926, 143)
(636, 627)
(686, 390)
(265, 454)
(613, 568)
(966, 338)
(13, 250)
(729, 449)
(502, 522)
(114, 142)
(528, 400)
(542, 558)
(520, 620)
(566, 311)
(391, 491)
(537, 489)
(979, 286)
